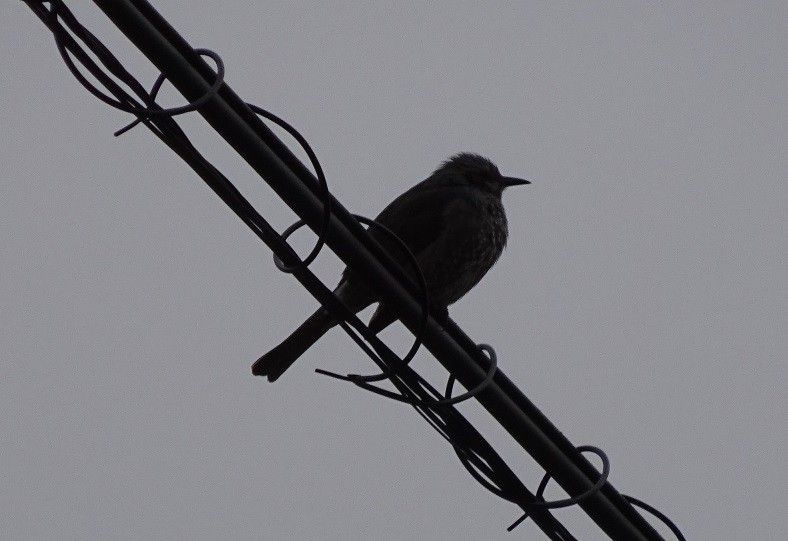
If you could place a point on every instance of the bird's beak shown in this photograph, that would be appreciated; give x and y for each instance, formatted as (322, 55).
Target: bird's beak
(511, 181)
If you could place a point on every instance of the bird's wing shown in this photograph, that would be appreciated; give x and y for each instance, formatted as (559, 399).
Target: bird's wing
(427, 220)
(419, 218)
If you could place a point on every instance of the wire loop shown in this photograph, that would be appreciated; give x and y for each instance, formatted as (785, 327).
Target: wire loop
(324, 192)
(141, 111)
(658, 514)
(147, 112)
(557, 504)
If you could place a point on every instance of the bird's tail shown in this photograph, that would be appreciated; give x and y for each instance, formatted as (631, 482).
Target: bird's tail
(275, 362)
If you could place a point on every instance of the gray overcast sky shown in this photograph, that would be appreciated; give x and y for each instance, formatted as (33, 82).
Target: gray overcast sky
(641, 302)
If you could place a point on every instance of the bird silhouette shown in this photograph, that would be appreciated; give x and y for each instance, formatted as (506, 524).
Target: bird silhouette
(454, 224)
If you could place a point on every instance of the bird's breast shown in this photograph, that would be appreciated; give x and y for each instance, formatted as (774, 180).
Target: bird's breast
(476, 244)
(497, 225)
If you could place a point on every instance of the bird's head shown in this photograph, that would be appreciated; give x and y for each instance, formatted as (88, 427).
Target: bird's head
(478, 172)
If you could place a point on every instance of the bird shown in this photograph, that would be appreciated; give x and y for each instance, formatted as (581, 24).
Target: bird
(454, 224)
